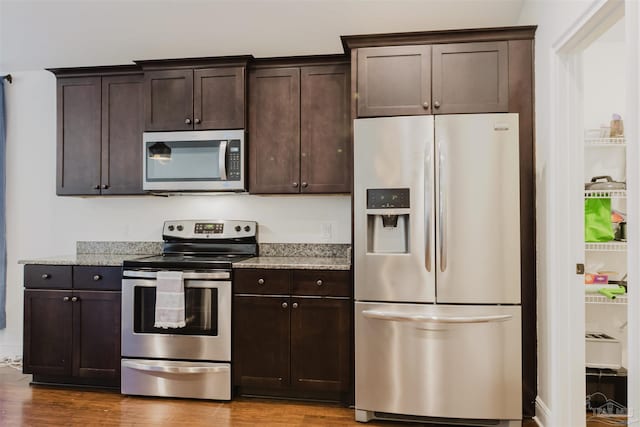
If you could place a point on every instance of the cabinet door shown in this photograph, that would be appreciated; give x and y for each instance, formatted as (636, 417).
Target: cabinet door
(320, 344)
(96, 334)
(470, 78)
(394, 81)
(219, 96)
(274, 130)
(78, 156)
(325, 159)
(47, 332)
(168, 100)
(261, 342)
(122, 127)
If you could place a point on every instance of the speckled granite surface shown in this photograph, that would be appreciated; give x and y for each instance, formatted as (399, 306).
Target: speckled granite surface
(101, 253)
(129, 248)
(83, 259)
(319, 256)
(292, 262)
(325, 250)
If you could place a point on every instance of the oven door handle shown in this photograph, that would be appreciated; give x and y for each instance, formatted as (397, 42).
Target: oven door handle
(174, 369)
(187, 275)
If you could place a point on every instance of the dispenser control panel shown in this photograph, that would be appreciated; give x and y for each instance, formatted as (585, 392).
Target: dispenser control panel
(388, 198)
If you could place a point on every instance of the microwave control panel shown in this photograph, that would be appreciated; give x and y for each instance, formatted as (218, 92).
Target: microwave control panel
(234, 157)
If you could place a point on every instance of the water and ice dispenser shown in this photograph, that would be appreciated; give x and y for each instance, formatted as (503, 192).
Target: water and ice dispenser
(388, 220)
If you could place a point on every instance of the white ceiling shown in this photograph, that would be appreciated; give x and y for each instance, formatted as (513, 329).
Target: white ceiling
(39, 34)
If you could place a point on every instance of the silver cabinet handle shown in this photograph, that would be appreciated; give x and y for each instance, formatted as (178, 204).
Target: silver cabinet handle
(187, 121)
(174, 369)
(196, 121)
(425, 105)
(319, 283)
(65, 299)
(222, 160)
(97, 277)
(295, 184)
(74, 299)
(442, 206)
(422, 318)
(46, 276)
(260, 281)
(436, 104)
(285, 305)
(294, 305)
(305, 185)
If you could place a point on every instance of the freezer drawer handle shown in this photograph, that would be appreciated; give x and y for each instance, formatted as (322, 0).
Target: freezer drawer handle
(420, 318)
(175, 369)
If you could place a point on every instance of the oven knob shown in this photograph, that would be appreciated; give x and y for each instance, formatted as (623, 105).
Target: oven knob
(238, 228)
(180, 228)
(247, 228)
(171, 227)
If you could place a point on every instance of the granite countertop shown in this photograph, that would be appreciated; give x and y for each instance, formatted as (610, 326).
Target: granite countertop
(295, 262)
(84, 259)
(275, 255)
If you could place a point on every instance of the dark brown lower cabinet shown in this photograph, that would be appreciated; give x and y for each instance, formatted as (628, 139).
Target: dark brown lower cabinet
(296, 346)
(320, 344)
(261, 359)
(72, 336)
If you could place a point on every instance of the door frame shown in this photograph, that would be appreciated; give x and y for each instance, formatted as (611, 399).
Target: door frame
(565, 211)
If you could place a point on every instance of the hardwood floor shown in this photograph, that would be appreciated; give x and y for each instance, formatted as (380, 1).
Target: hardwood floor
(25, 405)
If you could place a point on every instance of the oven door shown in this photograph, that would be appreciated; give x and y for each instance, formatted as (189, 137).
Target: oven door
(206, 336)
(193, 160)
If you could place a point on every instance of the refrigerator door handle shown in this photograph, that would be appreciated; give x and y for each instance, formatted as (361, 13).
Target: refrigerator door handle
(442, 207)
(428, 207)
(421, 318)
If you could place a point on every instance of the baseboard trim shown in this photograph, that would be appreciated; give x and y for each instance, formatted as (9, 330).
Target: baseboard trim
(543, 414)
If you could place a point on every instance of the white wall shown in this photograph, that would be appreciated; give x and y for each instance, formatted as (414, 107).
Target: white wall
(34, 35)
(553, 19)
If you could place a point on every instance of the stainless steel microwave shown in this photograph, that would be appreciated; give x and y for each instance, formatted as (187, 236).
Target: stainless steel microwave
(207, 160)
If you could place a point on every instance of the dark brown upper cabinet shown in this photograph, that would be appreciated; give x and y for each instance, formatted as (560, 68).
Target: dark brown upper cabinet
(99, 130)
(394, 81)
(299, 126)
(471, 78)
(194, 94)
(438, 79)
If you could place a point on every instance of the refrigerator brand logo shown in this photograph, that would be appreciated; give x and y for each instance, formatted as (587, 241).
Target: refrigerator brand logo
(500, 126)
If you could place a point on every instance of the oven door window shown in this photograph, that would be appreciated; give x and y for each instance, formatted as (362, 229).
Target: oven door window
(201, 312)
(184, 160)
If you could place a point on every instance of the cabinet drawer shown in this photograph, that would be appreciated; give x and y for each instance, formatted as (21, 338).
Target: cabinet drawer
(47, 276)
(321, 282)
(98, 278)
(261, 281)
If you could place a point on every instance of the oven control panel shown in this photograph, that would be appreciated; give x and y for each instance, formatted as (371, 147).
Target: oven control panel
(209, 229)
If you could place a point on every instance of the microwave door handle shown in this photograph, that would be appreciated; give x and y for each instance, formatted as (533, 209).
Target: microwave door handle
(222, 161)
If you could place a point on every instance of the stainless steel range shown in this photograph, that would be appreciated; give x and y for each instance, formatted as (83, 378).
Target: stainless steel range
(195, 360)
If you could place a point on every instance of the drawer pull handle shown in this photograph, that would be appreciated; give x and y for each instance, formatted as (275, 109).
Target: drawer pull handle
(74, 299)
(261, 281)
(294, 305)
(319, 283)
(46, 276)
(65, 299)
(285, 305)
(97, 277)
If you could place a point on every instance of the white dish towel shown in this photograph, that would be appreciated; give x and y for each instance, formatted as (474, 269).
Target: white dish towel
(169, 300)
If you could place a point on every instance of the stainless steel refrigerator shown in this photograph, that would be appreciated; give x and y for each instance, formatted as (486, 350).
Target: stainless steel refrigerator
(437, 268)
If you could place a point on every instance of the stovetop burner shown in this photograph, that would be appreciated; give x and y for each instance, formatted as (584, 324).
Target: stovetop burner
(202, 244)
(181, 261)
